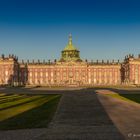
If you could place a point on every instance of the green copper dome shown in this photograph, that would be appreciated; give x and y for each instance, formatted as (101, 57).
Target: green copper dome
(70, 53)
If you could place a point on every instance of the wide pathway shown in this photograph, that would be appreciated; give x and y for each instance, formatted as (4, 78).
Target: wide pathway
(80, 116)
(126, 115)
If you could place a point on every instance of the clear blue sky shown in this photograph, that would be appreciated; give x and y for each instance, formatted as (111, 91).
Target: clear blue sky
(39, 29)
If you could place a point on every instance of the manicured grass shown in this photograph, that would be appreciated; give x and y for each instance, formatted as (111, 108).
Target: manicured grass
(132, 97)
(2, 94)
(20, 101)
(28, 111)
(11, 98)
(127, 97)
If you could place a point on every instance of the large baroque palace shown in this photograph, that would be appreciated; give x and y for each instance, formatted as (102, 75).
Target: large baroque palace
(69, 70)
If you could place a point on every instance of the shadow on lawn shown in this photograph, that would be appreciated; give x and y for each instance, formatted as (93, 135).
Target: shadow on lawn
(21, 103)
(11, 98)
(132, 97)
(35, 118)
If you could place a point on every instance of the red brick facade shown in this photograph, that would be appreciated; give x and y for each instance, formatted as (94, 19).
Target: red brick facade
(69, 73)
(9, 68)
(131, 70)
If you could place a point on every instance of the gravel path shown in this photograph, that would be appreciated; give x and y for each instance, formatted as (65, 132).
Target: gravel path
(80, 116)
(125, 115)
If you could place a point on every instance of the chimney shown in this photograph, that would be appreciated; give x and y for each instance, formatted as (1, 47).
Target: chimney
(102, 61)
(97, 61)
(107, 61)
(38, 61)
(33, 61)
(22, 61)
(118, 61)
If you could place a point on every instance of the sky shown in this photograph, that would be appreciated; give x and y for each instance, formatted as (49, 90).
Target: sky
(39, 29)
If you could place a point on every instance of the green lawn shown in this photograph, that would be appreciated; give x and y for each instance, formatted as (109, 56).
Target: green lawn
(132, 97)
(127, 97)
(26, 111)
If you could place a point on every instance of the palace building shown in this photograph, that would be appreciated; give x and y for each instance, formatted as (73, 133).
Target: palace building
(69, 70)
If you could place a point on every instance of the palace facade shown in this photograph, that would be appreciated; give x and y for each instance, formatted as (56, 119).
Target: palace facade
(69, 70)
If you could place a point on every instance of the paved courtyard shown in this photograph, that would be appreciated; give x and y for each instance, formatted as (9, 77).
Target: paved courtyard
(81, 115)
